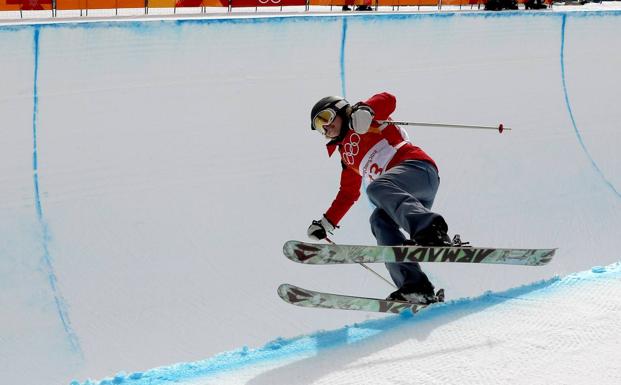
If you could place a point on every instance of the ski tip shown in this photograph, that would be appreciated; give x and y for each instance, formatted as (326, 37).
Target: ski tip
(303, 252)
(288, 249)
(286, 246)
(283, 290)
(282, 287)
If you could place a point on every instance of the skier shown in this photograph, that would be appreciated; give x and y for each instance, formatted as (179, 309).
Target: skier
(401, 181)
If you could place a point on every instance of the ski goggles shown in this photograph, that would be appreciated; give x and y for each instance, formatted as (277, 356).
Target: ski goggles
(323, 118)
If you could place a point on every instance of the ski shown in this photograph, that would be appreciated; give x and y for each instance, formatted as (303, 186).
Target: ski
(308, 298)
(318, 254)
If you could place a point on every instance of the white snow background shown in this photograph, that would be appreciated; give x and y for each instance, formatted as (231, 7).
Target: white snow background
(151, 170)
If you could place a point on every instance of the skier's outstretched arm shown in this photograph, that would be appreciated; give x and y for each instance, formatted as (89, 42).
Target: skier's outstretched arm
(348, 194)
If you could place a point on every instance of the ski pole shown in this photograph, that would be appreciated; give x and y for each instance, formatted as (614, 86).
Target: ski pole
(500, 128)
(367, 267)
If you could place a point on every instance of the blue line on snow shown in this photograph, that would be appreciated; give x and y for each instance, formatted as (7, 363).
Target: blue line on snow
(344, 91)
(343, 41)
(571, 114)
(47, 260)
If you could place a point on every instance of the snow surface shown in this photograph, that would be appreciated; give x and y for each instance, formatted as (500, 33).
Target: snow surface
(515, 336)
(151, 171)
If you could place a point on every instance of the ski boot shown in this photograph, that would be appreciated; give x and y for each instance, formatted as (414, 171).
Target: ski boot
(417, 298)
(434, 234)
(415, 295)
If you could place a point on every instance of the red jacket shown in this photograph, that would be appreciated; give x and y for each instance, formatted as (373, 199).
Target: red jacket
(367, 156)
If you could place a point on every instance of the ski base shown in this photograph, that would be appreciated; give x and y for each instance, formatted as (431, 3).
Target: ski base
(308, 298)
(314, 253)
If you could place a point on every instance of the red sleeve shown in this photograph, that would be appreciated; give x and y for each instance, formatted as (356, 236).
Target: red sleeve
(348, 194)
(383, 105)
(394, 135)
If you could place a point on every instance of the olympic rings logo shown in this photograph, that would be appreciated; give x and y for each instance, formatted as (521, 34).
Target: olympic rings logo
(269, 1)
(351, 149)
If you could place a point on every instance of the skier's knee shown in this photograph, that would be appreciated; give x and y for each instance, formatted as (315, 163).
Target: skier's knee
(375, 220)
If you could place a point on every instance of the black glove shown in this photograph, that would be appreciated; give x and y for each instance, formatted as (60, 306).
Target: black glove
(319, 229)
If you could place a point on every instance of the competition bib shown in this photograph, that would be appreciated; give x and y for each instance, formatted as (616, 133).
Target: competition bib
(375, 161)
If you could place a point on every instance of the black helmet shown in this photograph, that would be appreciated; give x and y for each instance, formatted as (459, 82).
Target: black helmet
(336, 104)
